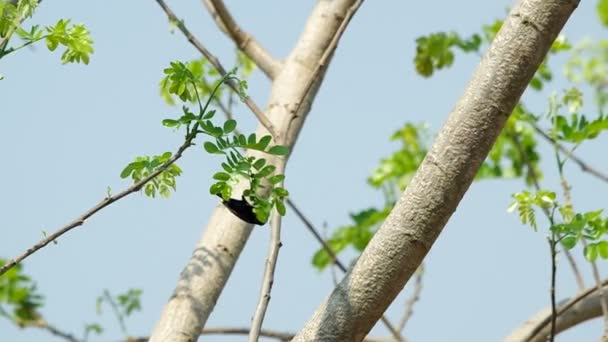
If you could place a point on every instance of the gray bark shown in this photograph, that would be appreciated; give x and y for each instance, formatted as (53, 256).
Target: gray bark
(216, 253)
(409, 232)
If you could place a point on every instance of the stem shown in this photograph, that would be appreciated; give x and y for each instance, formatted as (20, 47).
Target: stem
(271, 264)
(553, 249)
(119, 317)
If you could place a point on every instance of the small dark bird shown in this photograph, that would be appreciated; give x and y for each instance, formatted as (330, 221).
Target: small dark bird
(242, 209)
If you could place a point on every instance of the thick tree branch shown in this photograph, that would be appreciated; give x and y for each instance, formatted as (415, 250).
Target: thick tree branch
(218, 66)
(216, 253)
(243, 40)
(406, 236)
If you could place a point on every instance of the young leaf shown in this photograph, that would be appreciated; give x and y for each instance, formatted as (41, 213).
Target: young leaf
(221, 176)
(280, 207)
(259, 163)
(268, 169)
(263, 143)
(229, 126)
(278, 150)
(276, 179)
(211, 148)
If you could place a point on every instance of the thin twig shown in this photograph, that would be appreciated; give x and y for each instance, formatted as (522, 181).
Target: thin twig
(582, 164)
(311, 228)
(553, 249)
(218, 66)
(188, 141)
(119, 317)
(573, 266)
(331, 47)
(101, 205)
(411, 301)
(243, 40)
(563, 308)
(271, 264)
(595, 271)
(44, 325)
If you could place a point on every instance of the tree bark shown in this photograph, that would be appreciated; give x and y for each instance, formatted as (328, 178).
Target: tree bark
(419, 216)
(216, 253)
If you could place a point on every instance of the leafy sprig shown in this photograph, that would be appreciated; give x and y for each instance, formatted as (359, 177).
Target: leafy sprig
(182, 80)
(75, 38)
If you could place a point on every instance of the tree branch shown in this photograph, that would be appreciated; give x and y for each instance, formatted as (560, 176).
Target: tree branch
(206, 273)
(101, 205)
(581, 163)
(243, 40)
(570, 312)
(271, 264)
(218, 66)
(406, 236)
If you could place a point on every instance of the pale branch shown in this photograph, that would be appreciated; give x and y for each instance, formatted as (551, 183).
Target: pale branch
(569, 154)
(243, 40)
(269, 269)
(206, 273)
(416, 221)
(278, 335)
(329, 51)
(570, 312)
(218, 66)
(101, 205)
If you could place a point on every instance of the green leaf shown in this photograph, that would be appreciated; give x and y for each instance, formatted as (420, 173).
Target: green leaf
(590, 252)
(276, 179)
(263, 143)
(569, 241)
(602, 11)
(217, 188)
(221, 176)
(280, 192)
(267, 170)
(280, 207)
(211, 148)
(279, 150)
(227, 168)
(251, 139)
(259, 163)
(229, 126)
(602, 248)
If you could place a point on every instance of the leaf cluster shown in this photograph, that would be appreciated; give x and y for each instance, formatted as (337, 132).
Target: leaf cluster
(19, 297)
(142, 167)
(75, 38)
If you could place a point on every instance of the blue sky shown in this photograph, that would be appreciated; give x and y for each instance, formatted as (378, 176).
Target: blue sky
(69, 130)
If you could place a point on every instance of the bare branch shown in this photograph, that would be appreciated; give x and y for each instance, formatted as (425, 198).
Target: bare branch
(582, 164)
(411, 301)
(44, 325)
(218, 66)
(570, 312)
(408, 233)
(243, 40)
(278, 335)
(101, 205)
(271, 264)
(206, 273)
